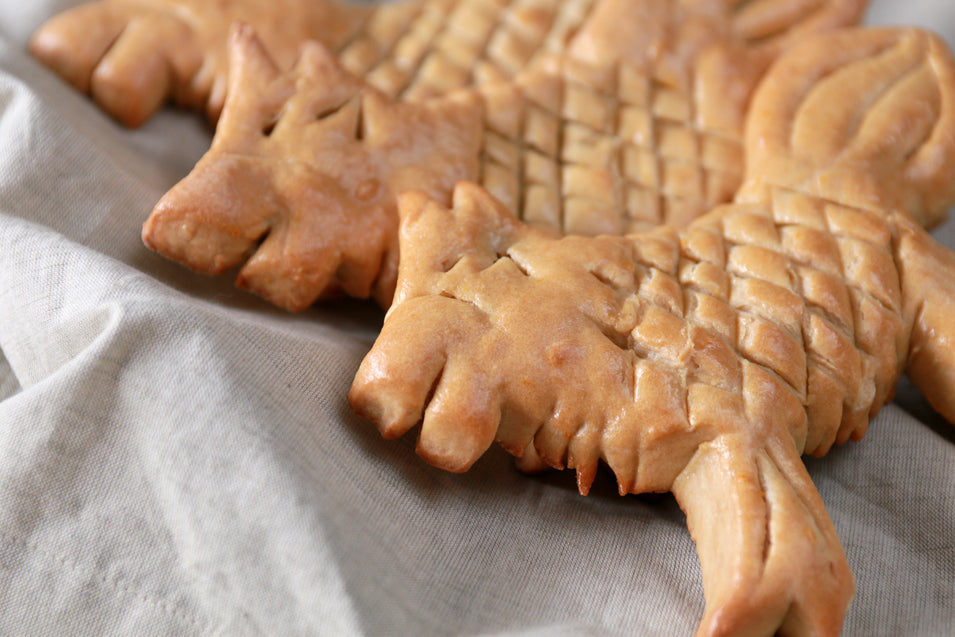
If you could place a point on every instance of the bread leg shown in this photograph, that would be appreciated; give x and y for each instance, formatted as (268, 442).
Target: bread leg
(928, 285)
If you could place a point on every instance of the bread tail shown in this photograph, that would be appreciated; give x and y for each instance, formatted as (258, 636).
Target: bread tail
(770, 557)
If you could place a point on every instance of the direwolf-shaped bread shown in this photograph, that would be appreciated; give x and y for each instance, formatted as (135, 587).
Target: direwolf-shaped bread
(134, 55)
(311, 159)
(704, 361)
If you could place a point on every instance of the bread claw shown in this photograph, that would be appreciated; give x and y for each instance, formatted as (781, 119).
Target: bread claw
(134, 56)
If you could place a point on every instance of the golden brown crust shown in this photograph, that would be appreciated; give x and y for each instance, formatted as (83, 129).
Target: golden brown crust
(756, 515)
(702, 361)
(592, 141)
(134, 55)
(644, 353)
(794, 294)
(929, 288)
(602, 146)
(300, 186)
(904, 90)
(584, 148)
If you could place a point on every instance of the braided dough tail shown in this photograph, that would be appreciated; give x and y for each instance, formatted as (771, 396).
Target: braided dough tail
(771, 559)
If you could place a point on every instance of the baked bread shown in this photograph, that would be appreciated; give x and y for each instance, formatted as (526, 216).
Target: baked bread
(580, 143)
(300, 182)
(704, 360)
(133, 55)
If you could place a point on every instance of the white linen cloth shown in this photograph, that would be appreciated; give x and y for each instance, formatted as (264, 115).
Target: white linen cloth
(178, 458)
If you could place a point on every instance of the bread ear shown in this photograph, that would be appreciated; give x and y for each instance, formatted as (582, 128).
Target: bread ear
(864, 117)
(253, 77)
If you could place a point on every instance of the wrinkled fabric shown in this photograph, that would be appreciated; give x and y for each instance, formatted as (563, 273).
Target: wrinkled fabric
(178, 458)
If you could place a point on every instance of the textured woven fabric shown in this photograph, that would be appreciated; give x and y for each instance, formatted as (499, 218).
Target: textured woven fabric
(178, 457)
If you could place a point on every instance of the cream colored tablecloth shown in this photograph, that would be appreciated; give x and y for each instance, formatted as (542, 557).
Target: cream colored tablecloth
(178, 458)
